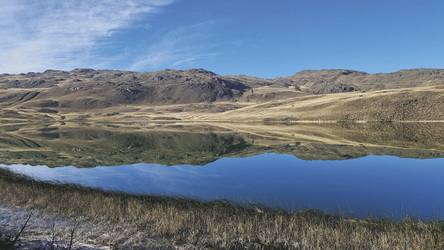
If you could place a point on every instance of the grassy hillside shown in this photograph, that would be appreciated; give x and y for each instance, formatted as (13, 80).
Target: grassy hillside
(411, 104)
(197, 94)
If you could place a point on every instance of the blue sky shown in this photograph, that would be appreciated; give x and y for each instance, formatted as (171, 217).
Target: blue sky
(253, 37)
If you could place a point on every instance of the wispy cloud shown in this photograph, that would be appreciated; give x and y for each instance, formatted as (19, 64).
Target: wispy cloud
(178, 48)
(41, 34)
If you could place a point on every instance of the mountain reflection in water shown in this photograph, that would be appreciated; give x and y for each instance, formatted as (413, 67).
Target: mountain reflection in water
(90, 145)
(332, 167)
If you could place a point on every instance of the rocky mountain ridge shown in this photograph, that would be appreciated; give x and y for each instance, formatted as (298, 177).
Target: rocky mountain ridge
(56, 91)
(333, 81)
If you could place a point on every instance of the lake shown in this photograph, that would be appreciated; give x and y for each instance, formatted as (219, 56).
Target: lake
(358, 169)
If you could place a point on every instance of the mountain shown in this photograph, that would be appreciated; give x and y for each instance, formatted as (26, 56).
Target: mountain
(87, 88)
(198, 93)
(406, 104)
(334, 81)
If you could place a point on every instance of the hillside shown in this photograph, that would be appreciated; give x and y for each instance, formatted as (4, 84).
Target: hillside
(196, 94)
(335, 81)
(411, 104)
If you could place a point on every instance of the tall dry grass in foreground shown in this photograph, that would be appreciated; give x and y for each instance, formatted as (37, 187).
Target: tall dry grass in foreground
(121, 221)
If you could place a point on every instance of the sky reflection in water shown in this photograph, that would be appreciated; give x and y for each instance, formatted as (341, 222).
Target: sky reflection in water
(380, 185)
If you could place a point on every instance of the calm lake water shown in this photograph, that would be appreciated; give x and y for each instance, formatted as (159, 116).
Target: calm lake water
(352, 180)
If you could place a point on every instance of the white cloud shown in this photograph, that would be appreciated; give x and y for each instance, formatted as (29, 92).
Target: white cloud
(178, 48)
(41, 34)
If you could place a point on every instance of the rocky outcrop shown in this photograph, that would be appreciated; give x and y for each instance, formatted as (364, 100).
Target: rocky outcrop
(334, 81)
(88, 88)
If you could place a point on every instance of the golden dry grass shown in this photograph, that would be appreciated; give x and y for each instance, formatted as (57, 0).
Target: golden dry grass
(408, 104)
(412, 104)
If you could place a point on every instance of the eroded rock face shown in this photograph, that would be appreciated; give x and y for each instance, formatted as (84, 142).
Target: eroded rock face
(88, 88)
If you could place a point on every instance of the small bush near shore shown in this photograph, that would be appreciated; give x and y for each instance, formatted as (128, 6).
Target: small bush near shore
(122, 220)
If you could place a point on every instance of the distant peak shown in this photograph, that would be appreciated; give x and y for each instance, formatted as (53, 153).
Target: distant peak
(420, 71)
(84, 70)
(331, 72)
(201, 71)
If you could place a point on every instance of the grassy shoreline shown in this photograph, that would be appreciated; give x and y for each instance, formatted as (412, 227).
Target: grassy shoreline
(72, 213)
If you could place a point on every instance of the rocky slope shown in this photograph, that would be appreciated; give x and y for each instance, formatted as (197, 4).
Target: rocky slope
(56, 94)
(408, 104)
(335, 81)
(87, 88)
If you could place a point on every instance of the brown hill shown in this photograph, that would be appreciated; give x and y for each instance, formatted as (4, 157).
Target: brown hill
(192, 94)
(411, 104)
(87, 88)
(336, 81)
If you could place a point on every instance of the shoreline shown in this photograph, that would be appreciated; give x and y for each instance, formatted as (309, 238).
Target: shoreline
(165, 222)
(40, 232)
(220, 121)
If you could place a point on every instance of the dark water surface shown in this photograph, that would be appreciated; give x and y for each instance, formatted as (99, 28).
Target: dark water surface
(368, 169)
(378, 185)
